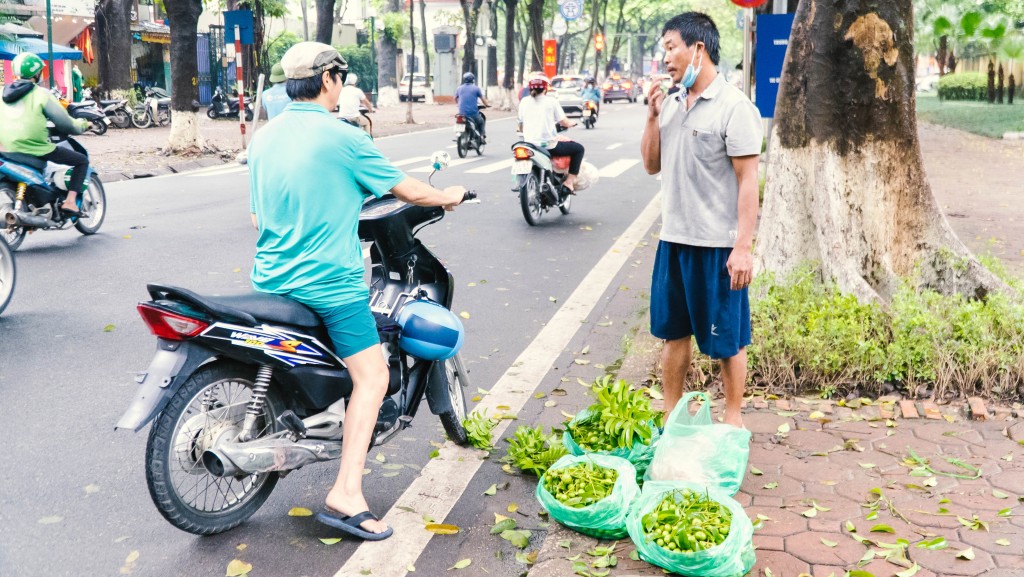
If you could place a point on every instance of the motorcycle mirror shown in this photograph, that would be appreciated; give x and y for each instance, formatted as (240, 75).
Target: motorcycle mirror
(440, 160)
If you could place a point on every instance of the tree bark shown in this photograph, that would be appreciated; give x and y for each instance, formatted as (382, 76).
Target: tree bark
(113, 45)
(412, 61)
(940, 55)
(535, 12)
(387, 54)
(183, 18)
(509, 82)
(470, 14)
(846, 189)
(492, 47)
(324, 21)
(426, 45)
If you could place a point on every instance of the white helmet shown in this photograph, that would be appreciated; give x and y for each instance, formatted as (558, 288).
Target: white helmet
(352, 79)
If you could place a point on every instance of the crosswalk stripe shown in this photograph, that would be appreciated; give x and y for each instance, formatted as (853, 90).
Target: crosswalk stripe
(613, 146)
(492, 167)
(618, 167)
(412, 160)
(454, 163)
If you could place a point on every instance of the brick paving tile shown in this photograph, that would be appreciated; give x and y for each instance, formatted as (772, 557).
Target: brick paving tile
(825, 407)
(853, 459)
(765, 422)
(978, 410)
(978, 502)
(1013, 561)
(1001, 414)
(781, 564)
(760, 404)
(998, 450)
(908, 410)
(770, 501)
(813, 470)
(812, 441)
(922, 511)
(986, 540)
(1010, 481)
(783, 405)
(931, 410)
(834, 520)
(808, 547)
(782, 523)
(886, 412)
(769, 458)
(769, 542)
(744, 499)
(861, 430)
(941, 433)
(1003, 573)
(883, 568)
(945, 562)
(827, 571)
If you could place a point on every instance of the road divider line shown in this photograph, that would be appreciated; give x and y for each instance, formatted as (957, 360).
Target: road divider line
(618, 167)
(453, 164)
(412, 160)
(444, 479)
(613, 146)
(492, 167)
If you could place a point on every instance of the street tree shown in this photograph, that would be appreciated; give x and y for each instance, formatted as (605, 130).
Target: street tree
(412, 50)
(846, 188)
(183, 18)
(535, 15)
(509, 82)
(114, 45)
(324, 21)
(387, 52)
(470, 16)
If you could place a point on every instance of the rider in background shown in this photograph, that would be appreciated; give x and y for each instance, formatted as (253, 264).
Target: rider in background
(539, 116)
(467, 95)
(350, 100)
(24, 110)
(276, 97)
(590, 92)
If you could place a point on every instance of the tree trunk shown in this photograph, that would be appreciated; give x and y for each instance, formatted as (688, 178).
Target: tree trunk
(324, 21)
(509, 82)
(470, 14)
(426, 45)
(846, 188)
(991, 82)
(412, 62)
(492, 47)
(535, 12)
(113, 45)
(941, 54)
(183, 18)
(1011, 89)
(1000, 84)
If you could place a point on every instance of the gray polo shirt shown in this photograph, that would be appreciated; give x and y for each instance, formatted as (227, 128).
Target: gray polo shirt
(698, 182)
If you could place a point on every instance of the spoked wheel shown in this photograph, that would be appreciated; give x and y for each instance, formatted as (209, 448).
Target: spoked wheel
(16, 235)
(461, 145)
(94, 204)
(210, 112)
(121, 118)
(529, 198)
(99, 127)
(141, 118)
(165, 117)
(566, 205)
(451, 420)
(479, 148)
(209, 408)
(8, 274)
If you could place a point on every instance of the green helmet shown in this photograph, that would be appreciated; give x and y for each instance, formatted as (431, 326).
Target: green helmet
(27, 65)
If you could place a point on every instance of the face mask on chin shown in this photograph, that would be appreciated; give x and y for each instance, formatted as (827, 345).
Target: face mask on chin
(690, 76)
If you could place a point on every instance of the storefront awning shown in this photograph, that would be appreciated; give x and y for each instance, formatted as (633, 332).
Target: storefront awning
(11, 48)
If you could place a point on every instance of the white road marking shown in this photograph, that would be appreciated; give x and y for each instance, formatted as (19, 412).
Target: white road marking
(444, 480)
(218, 170)
(454, 163)
(493, 167)
(618, 167)
(412, 160)
(613, 146)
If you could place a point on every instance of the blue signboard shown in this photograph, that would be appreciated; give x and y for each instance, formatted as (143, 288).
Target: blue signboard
(242, 19)
(772, 41)
(571, 9)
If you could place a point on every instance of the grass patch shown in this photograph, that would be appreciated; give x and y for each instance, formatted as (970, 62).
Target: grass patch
(991, 120)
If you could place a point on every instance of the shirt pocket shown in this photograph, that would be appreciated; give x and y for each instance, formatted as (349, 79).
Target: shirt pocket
(706, 142)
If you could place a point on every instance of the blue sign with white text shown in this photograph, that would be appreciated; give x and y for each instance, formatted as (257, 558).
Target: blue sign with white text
(772, 41)
(242, 19)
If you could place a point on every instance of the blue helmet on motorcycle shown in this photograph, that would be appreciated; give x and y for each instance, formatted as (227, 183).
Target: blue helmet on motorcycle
(430, 331)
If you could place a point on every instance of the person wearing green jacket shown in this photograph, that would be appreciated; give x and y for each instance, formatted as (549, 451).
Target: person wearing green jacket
(24, 110)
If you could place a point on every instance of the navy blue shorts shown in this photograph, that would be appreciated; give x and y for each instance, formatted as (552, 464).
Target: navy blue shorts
(691, 296)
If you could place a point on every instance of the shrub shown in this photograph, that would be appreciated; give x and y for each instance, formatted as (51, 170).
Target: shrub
(964, 86)
(359, 61)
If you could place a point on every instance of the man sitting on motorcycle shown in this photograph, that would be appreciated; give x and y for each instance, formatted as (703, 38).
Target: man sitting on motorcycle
(539, 116)
(350, 100)
(590, 92)
(309, 176)
(24, 110)
(467, 95)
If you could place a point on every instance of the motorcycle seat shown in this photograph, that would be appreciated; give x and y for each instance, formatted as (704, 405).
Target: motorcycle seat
(83, 104)
(26, 159)
(106, 103)
(250, 307)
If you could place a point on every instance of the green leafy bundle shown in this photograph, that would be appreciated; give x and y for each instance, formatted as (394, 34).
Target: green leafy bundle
(531, 451)
(478, 428)
(581, 485)
(687, 521)
(620, 417)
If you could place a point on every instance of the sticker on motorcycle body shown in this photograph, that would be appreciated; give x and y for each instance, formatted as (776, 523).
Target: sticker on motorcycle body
(522, 167)
(290, 348)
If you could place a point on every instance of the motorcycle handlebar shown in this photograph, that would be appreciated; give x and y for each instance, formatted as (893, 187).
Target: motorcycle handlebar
(470, 196)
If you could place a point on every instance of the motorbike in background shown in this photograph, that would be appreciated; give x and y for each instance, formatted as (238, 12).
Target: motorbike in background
(223, 107)
(589, 114)
(8, 274)
(155, 110)
(538, 178)
(87, 109)
(467, 136)
(365, 113)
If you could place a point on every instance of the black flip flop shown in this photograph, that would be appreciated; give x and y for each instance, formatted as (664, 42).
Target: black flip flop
(71, 212)
(350, 524)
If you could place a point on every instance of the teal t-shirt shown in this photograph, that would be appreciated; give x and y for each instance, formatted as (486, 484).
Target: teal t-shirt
(309, 176)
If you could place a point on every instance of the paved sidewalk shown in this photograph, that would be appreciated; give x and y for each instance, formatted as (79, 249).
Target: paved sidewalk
(129, 153)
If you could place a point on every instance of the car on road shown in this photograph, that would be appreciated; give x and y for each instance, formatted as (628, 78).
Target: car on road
(419, 87)
(566, 88)
(615, 87)
(664, 79)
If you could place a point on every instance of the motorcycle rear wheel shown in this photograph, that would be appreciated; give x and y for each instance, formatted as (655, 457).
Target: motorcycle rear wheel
(8, 274)
(451, 420)
(121, 119)
(479, 147)
(94, 204)
(461, 145)
(99, 127)
(208, 407)
(141, 118)
(165, 117)
(211, 113)
(529, 198)
(15, 235)
(566, 205)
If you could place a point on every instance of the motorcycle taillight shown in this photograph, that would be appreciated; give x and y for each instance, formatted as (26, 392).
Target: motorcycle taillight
(523, 153)
(168, 325)
(460, 119)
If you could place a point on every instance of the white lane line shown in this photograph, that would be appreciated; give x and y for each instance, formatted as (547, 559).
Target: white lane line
(613, 146)
(412, 160)
(493, 167)
(443, 480)
(618, 167)
(454, 163)
(217, 170)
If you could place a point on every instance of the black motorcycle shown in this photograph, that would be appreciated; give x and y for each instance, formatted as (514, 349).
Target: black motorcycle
(244, 389)
(467, 136)
(538, 178)
(31, 191)
(154, 110)
(8, 274)
(223, 107)
(87, 109)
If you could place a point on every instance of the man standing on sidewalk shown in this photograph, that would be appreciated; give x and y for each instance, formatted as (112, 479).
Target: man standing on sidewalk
(705, 140)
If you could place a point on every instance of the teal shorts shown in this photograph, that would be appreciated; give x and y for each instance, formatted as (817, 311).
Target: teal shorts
(351, 327)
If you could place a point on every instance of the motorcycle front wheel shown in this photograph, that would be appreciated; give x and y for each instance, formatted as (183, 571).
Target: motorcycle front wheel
(8, 274)
(14, 236)
(94, 204)
(479, 147)
(121, 118)
(451, 420)
(99, 127)
(529, 198)
(141, 118)
(461, 146)
(566, 205)
(208, 408)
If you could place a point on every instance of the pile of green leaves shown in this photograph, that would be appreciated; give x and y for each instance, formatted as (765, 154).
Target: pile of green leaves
(686, 521)
(581, 485)
(620, 417)
(478, 427)
(531, 451)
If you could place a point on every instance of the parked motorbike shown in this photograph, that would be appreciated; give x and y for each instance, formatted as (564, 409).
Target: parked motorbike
(589, 114)
(365, 113)
(8, 274)
(118, 111)
(31, 191)
(221, 106)
(155, 110)
(538, 179)
(244, 389)
(87, 109)
(467, 136)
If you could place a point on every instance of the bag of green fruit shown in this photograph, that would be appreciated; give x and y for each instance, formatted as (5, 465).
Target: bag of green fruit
(694, 449)
(691, 530)
(589, 493)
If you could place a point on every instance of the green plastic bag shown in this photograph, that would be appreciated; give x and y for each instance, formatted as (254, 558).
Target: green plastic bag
(639, 454)
(605, 519)
(694, 449)
(733, 558)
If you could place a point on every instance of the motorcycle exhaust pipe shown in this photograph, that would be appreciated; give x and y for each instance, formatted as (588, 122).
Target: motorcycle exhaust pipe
(266, 455)
(16, 218)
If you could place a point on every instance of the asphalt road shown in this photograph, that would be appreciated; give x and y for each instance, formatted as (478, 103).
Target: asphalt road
(73, 497)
